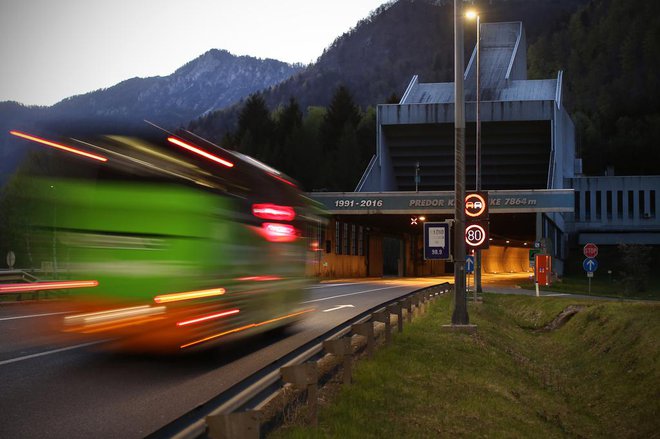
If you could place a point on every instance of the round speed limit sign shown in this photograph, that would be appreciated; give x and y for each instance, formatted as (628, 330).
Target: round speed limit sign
(475, 235)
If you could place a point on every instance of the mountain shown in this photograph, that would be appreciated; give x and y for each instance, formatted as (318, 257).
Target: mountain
(214, 80)
(378, 57)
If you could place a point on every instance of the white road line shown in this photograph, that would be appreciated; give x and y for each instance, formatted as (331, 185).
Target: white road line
(353, 294)
(55, 351)
(338, 307)
(33, 315)
(556, 294)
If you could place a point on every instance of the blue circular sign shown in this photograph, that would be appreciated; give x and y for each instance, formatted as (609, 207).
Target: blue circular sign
(590, 265)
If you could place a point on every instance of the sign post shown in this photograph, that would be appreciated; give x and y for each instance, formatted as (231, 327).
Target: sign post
(476, 210)
(590, 264)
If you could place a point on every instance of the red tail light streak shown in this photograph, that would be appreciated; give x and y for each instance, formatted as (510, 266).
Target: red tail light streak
(275, 232)
(273, 212)
(219, 315)
(41, 286)
(201, 152)
(58, 146)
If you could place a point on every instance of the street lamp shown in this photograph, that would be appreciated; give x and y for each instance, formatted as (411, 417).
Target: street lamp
(460, 314)
(472, 14)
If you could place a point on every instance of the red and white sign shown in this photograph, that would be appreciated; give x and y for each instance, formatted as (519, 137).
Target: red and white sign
(590, 250)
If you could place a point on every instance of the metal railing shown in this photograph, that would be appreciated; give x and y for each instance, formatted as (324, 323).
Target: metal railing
(241, 411)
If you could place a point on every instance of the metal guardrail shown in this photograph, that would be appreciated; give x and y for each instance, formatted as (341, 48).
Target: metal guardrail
(236, 413)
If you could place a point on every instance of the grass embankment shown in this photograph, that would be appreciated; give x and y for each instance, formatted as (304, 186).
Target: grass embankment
(600, 286)
(597, 376)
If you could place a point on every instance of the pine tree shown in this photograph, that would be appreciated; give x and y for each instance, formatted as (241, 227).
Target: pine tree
(255, 128)
(342, 114)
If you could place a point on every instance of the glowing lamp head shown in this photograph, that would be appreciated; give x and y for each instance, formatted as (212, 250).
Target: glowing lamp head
(471, 14)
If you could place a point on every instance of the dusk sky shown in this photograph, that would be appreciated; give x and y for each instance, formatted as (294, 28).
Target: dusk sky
(55, 49)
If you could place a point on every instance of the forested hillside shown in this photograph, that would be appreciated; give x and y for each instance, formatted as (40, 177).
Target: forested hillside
(610, 52)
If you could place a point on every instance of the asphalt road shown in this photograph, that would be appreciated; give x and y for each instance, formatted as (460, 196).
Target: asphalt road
(60, 387)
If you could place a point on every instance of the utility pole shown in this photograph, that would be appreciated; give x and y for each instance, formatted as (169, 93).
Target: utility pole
(460, 314)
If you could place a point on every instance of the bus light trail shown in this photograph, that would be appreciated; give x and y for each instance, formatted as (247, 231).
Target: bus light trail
(41, 286)
(58, 146)
(243, 328)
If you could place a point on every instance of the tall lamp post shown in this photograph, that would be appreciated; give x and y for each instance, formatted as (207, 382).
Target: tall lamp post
(460, 314)
(472, 14)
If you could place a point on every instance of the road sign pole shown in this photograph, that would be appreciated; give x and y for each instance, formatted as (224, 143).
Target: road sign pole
(460, 314)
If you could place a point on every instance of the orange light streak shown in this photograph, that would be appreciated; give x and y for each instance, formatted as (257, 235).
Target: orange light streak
(175, 297)
(200, 152)
(243, 328)
(59, 146)
(259, 278)
(40, 286)
(209, 317)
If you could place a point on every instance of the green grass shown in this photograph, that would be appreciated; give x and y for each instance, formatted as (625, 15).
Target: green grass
(597, 376)
(601, 285)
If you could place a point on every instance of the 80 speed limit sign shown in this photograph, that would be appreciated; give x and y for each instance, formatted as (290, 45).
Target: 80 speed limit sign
(476, 234)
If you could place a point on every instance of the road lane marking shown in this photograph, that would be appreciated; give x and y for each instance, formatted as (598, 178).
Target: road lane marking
(54, 351)
(556, 294)
(34, 315)
(353, 294)
(338, 307)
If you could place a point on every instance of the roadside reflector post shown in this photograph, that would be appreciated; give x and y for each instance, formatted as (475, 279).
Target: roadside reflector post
(234, 425)
(384, 317)
(341, 348)
(366, 330)
(305, 376)
(395, 308)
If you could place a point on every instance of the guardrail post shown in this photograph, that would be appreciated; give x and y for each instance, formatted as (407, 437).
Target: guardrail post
(384, 317)
(305, 376)
(407, 304)
(237, 425)
(423, 297)
(419, 303)
(366, 330)
(395, 308)
(341, 348)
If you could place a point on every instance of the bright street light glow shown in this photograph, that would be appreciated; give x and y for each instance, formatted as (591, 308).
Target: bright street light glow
(471, 14)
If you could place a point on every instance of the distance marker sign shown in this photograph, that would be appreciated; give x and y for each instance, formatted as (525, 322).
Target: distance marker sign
(436, 241)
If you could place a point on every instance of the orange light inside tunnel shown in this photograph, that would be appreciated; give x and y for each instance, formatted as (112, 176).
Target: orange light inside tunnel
(58, 146)
(189, 295)
(243, 328)
(275, 232)
(40, 286)
(199, 151)
(273, 212)
(231, 312)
